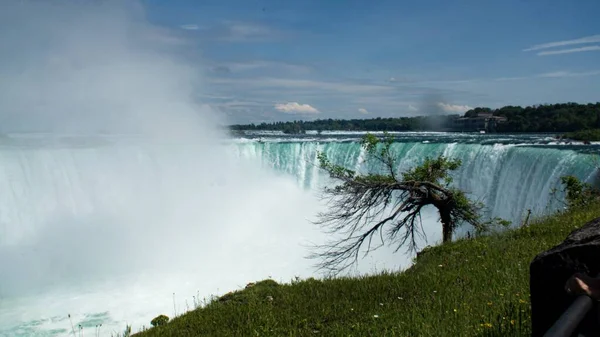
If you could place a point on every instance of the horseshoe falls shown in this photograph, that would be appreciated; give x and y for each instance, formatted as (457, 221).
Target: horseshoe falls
(114, 230)
(509, 174)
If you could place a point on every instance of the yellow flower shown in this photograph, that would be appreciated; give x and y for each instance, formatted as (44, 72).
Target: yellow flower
(512, 322)
(455, 310)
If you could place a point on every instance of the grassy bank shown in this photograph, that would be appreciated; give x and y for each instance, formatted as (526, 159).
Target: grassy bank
(472, 287)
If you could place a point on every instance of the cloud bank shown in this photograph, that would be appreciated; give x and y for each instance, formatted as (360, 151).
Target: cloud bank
(296, 108)
(454, 108)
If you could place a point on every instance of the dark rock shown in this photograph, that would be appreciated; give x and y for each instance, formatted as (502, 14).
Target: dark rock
(550, 270)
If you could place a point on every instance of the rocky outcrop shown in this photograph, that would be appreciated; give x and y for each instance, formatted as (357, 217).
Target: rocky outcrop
(549, 271)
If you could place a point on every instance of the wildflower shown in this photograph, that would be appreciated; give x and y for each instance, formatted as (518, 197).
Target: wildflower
(489, 303)
(522, 301)
(455, 310)
(400, 298)
(512, 322)
(269, 298)
(441, 265)
(381, 304)
(375, 316)
(435, 291)
(351, 309)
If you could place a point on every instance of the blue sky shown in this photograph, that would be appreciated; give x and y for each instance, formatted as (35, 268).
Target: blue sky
(269, 60)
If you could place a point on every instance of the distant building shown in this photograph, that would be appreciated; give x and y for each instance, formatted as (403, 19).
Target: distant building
(481, 122)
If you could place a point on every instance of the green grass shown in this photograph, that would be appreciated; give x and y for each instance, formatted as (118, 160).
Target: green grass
(471, 287)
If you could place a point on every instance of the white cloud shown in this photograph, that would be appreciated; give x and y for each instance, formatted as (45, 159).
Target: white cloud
(582, 40)
(340, 87)
(559, 74)
(363, 111)
(296, 108)
(412, 108)
(454, 108)
(245, 31)
(269, 65)
(568, 51)
(190, 27)
(392, 79)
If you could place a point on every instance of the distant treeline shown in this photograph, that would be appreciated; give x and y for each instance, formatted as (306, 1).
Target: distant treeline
(374, 124)
(566, 117)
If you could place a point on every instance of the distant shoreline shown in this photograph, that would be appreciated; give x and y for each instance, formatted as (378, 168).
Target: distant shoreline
(558, 119)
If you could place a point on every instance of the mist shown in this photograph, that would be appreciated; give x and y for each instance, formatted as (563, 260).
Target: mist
(157, 206)
(429, 106)
(158, 197)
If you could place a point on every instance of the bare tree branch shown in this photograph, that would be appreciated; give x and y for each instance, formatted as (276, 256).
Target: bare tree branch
(358, 205)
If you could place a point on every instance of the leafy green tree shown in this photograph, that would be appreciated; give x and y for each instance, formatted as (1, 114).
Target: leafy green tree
(159, 320)
(390, 204)
(578, 193)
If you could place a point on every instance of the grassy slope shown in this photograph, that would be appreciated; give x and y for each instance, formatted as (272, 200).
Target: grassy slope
(477, 287)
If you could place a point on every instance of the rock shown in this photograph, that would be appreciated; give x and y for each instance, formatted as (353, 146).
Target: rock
(550, 270)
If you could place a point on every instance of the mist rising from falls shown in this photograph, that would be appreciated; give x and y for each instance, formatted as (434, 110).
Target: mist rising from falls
(110, 226)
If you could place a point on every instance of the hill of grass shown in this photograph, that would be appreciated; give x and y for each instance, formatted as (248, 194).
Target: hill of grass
(471, 287)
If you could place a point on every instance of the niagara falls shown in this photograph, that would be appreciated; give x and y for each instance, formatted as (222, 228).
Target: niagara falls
(157, 157)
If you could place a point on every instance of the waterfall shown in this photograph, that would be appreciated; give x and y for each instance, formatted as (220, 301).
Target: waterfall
(508, 178)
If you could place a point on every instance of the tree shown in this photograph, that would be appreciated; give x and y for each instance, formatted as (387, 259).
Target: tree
(363, 204)
(578, 193)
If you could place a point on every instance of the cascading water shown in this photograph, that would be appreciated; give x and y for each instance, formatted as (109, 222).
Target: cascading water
(508, 178)
(108, 228)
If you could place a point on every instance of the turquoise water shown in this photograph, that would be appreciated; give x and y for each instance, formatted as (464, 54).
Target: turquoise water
(509, 173)
(108, 228)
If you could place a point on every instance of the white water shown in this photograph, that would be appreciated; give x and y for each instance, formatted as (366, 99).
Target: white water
(509, 179)
(108, 228)
(108, 232)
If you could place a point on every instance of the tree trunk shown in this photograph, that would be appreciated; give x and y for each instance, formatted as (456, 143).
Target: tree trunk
(446, 220)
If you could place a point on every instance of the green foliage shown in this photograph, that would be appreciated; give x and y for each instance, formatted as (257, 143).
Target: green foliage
(434, 170)
(470, 287)
(564, 117)
(578, 193)
(159, 320)
(421, 123)
(591, 135)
